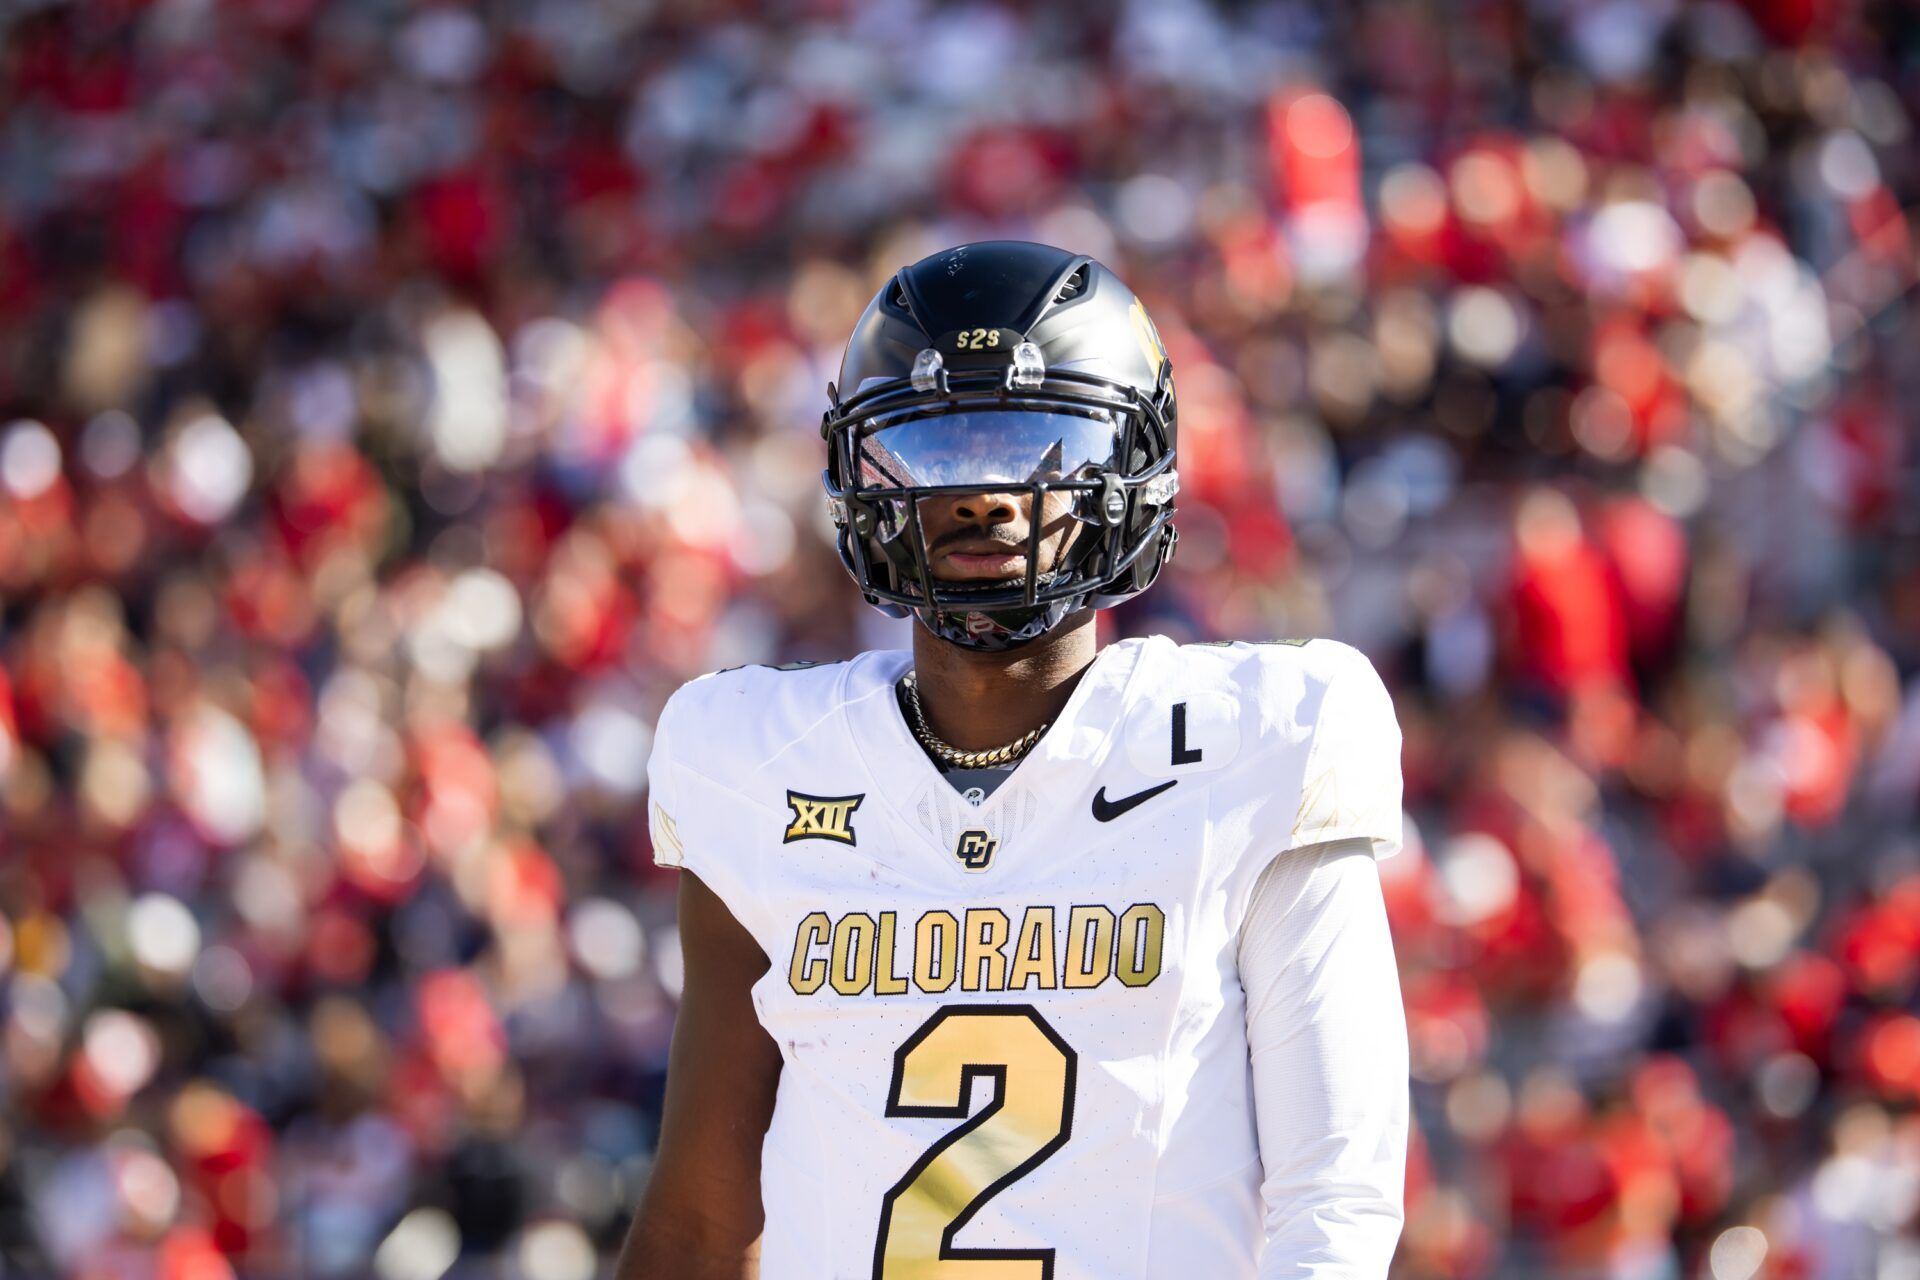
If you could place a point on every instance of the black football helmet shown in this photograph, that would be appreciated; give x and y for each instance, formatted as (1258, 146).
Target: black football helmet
(1003, 367)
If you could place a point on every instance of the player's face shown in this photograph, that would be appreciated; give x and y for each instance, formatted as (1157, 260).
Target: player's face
(982, 537)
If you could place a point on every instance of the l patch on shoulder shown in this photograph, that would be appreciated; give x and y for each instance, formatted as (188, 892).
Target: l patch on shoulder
(821, 817)
(1183, 733)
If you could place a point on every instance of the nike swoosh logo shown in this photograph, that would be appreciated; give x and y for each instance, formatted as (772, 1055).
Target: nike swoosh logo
(1106, 810)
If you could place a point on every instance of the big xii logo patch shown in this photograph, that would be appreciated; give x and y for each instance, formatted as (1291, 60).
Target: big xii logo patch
(975, 849)
(822, 817)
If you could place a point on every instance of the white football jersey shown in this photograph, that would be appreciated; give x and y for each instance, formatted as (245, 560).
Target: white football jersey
(1013, 1031)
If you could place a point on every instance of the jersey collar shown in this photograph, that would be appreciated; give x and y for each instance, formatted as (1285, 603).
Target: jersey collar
(1060, 765)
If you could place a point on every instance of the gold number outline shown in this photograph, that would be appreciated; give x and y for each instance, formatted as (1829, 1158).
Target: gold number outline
(970, 1072)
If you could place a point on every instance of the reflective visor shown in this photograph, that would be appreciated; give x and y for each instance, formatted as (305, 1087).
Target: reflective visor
(986, 447)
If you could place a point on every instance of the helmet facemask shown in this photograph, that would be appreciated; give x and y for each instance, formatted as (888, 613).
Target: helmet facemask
(1080, 447)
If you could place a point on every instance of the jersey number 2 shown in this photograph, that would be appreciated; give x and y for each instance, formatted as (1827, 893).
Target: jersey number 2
(1030, 1118)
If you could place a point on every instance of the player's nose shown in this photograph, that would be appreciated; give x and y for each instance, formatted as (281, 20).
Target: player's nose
(986, 508)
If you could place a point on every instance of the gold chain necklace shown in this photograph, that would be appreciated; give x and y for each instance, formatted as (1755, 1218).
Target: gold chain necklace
(952, 756)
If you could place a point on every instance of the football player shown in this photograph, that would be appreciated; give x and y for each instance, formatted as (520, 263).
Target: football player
(1014, 957)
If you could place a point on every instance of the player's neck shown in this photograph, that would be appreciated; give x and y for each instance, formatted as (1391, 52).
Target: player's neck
(977, 701)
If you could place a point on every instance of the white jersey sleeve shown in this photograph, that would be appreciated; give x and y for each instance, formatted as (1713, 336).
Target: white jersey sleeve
(1327, 1042)
(1318, 755)
(688, 810)
(1351, 789)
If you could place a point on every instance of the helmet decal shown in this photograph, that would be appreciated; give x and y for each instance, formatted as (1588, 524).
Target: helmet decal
(1150, 344)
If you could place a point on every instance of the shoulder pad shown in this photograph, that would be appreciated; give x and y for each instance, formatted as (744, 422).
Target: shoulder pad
(729, 724)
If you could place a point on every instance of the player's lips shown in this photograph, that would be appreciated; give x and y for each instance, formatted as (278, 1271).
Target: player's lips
(983, 558)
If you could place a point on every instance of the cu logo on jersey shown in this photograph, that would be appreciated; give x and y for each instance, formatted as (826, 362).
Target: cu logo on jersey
(822, 817)
(975, 849)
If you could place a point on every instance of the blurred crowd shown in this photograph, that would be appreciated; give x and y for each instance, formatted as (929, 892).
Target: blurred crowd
(398, 399)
